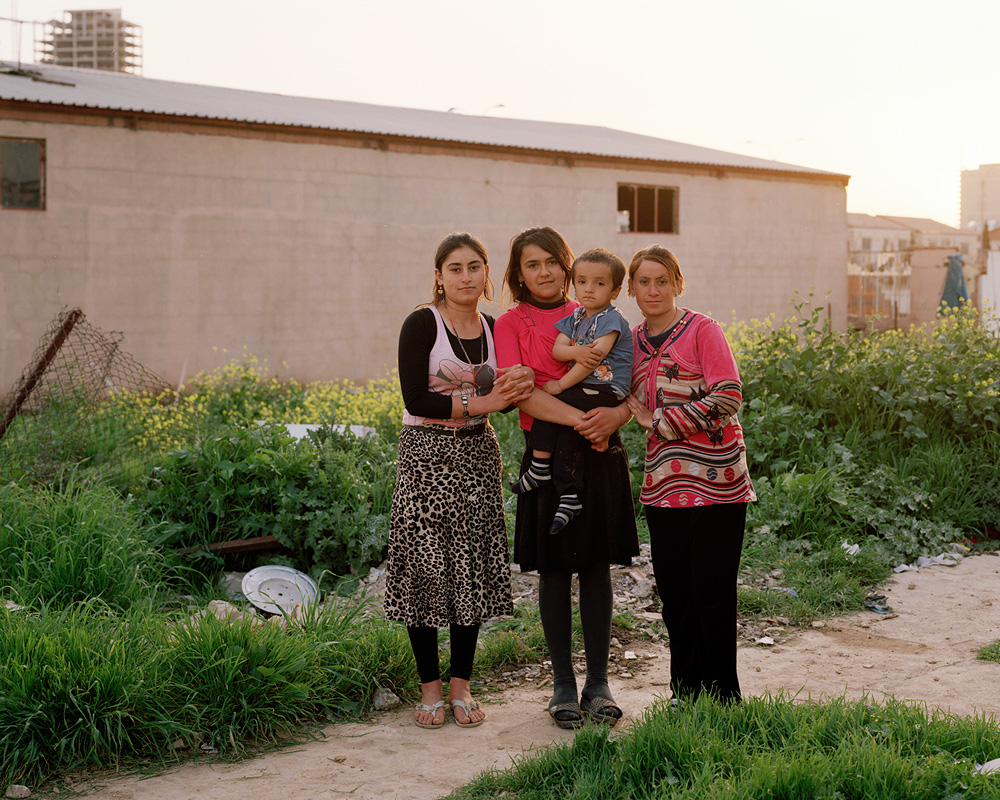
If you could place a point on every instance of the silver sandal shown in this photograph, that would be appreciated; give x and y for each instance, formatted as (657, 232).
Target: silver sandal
(432, 710)
(472, 705)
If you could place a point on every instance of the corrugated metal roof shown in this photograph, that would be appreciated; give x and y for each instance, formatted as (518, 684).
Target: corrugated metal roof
(85, 88)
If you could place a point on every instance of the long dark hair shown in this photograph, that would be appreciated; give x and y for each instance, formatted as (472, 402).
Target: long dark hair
(550, 241)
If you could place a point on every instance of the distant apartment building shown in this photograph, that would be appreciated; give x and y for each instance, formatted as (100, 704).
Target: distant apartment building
(92, 39)
(980, 197)
(881, 259)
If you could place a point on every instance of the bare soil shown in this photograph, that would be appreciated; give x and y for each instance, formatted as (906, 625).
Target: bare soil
(924, 651)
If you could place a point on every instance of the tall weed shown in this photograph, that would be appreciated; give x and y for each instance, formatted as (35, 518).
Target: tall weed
(80, 687)
(77, 543)
(326, 499)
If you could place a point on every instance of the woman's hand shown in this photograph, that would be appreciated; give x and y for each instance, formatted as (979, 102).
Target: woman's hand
(642, 414)
(599, 424)
(515, 384)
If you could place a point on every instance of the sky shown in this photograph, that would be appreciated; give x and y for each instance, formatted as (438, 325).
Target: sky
(899, 94)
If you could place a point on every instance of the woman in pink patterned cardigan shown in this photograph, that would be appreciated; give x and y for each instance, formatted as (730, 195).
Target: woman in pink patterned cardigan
(686, 392)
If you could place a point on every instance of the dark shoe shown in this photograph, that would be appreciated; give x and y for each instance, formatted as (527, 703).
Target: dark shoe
(567, 715)
(601, 710)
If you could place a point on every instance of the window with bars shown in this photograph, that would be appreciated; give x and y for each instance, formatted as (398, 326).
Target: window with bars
(647, 209)
(22, 173)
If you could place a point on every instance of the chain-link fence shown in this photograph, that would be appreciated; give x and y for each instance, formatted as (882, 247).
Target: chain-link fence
(83, 400)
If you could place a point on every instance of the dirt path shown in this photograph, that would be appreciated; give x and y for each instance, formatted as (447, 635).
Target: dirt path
(925, 651)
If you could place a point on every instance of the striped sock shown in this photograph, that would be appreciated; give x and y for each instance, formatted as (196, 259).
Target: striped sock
(538, 472)
(569, 507)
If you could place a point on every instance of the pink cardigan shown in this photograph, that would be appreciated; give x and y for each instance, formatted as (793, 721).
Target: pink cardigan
(695, 454)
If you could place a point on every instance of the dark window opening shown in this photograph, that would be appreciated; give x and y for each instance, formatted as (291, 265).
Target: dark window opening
(22, 173)
(647, 209)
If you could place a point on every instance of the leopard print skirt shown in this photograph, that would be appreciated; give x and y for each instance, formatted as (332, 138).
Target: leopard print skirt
(448, 555)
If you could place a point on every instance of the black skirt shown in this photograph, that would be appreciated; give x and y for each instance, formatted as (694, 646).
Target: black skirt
(603, 533)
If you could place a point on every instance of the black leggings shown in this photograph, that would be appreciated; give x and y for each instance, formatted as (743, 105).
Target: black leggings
(556, 607)
(696, 560)
(424, 642)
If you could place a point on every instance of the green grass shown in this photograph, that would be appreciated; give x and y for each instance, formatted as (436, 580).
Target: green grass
(512, 642)
(78, 543)
(989, 652)
(766, 747)
(88, 686)
(80, 687)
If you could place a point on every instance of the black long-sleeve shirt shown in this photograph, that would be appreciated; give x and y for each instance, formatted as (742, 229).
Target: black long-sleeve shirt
(416, 339)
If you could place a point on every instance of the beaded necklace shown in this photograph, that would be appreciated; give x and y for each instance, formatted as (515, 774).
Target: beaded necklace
(482, 341)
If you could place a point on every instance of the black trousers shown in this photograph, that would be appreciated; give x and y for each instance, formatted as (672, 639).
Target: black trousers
(566, 445)
(696, 559)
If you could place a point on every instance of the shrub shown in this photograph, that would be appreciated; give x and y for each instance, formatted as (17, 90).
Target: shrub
(335, 518)
(325, 498)
(224, 487)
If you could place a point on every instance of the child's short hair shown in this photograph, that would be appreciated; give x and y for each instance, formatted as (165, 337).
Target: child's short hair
(601, 256)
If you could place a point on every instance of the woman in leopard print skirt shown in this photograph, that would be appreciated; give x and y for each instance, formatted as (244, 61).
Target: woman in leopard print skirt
(448, 559)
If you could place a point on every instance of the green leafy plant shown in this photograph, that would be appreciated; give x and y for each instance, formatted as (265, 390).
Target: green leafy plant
(326, 498)
(334, 518)
(224, 487)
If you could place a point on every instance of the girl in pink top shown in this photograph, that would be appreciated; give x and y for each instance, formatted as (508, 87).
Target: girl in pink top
(537, 278)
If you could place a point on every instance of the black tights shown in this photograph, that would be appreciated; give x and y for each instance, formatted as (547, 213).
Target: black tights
(556, 607)
(424, 642)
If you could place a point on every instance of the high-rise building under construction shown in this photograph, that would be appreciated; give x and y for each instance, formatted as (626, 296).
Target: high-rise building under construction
(95, 39)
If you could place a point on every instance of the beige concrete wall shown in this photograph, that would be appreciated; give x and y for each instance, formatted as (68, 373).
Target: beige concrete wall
(929, 270)
(309, 255)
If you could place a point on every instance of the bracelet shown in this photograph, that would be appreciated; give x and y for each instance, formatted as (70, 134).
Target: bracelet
(465, 406)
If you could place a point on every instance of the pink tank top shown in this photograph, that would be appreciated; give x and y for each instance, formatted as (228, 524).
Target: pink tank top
(449, 375)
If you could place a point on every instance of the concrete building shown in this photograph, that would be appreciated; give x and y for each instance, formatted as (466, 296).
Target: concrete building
(931, 233)
(92, 39)
(870, 238)
(980, 197)
(195, 217)
(883, 254)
